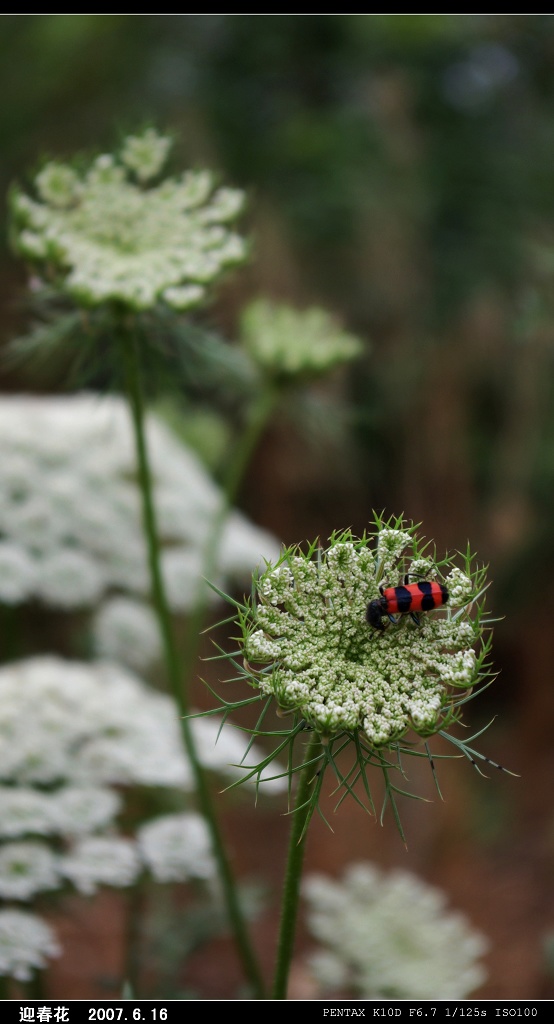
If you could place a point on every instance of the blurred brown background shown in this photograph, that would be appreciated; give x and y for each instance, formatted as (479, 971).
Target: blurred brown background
(400, 171)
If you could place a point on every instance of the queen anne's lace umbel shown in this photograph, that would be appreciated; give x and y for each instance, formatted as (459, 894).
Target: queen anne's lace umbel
(286, 342)
(75, 728)
(325, 661)
(26, 941)
(70, 516)
(73, 737)
(391, 936)
(104, 236)
(177, 847)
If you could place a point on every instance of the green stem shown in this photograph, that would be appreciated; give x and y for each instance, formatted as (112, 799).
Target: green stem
(293, 877)
(257, 421)
(11, 622)
(136, 903)
(131, 358)
(35, 986)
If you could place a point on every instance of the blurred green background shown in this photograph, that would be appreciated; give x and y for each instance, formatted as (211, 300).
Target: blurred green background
(400, 172)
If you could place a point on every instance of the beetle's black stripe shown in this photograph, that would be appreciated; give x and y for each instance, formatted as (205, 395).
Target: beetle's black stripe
(403, 598)
(428, 600)
(434, 594)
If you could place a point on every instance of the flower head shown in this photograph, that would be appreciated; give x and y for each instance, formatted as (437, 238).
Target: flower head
(101, 860)
(74, 737)
(310, 626)
(78, 728)
(104, 237)
(176, 847)
(391, 936)
(317, 639)
(25, 943)
(27, 868)
(70, 523)
(126, 630)
(286, 342)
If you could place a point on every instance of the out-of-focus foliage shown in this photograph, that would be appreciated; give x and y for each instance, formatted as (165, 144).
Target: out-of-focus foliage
(399, 169)
(338, 118)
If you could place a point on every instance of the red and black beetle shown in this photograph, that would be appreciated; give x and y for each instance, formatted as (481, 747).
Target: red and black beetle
(411, 598)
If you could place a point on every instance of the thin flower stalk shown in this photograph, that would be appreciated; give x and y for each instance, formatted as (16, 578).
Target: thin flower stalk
(130, 354)
(293, 875)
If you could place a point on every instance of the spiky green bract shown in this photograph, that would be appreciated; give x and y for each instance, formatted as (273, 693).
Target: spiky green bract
(306, 644)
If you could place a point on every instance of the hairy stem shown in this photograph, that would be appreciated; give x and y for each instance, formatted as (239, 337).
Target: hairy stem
(131, 358)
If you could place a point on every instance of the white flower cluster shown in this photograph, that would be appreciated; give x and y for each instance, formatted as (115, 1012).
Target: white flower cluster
(69, 733)
(287, 341)
(26, 941)
(70, 516)
(336, 670)
(173, 847)
(459, 587)
(390, 546)
(145, 154)
(84, 727)
(101, 860)
(177, 846)
(109, 238)
(26, 869)
(127, 630)
(391, 936)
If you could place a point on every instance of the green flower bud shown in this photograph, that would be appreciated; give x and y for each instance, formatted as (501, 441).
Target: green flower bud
(286, 342)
